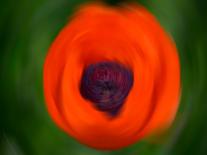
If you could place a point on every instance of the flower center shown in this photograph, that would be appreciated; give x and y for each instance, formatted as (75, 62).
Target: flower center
(106, 85)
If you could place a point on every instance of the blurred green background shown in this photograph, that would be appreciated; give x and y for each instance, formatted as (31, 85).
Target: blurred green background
(27, 28)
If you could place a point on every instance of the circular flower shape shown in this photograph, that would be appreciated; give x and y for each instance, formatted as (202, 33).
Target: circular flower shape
(112, 76)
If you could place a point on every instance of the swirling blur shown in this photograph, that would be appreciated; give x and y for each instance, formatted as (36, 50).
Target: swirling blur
(106, 84)
(27, 30)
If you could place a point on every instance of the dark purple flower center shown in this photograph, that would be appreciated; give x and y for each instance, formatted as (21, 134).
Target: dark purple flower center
(106, 85)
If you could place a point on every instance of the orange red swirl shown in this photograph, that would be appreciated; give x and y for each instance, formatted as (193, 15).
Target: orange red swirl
(129, 36)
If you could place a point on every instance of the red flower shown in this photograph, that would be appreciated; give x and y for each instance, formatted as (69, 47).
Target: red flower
(112, 76)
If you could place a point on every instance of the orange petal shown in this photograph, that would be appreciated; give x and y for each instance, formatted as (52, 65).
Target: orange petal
(130, 36)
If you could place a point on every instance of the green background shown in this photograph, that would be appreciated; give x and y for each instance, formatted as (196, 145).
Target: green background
(27, 28)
